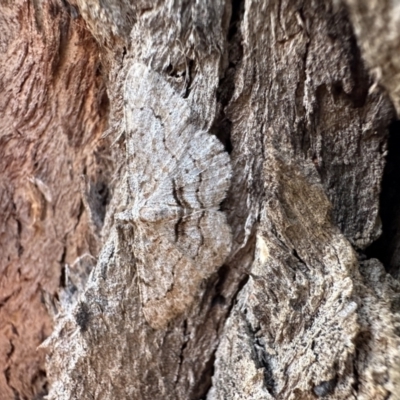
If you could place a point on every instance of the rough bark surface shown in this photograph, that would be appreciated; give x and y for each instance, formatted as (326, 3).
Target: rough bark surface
(297, 310)
(52, 112)
(376, 24)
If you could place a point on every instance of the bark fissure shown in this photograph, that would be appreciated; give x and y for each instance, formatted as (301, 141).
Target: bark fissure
(386, 248)
(260, 355)
(222, 125)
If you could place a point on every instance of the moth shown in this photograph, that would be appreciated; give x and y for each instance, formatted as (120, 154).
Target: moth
(178, 175)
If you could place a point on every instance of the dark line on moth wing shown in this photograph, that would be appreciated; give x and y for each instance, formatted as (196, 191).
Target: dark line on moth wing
(176, 228)
(178, 201)
(202, 236)
(175, 193)
(157, 117)
(201, 232)
(199, 185)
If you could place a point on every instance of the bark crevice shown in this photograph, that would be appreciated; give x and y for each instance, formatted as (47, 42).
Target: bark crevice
(222, 125)
(387, 247)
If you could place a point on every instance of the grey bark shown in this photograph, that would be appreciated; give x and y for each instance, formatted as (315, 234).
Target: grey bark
(297, 310)
(376, 24)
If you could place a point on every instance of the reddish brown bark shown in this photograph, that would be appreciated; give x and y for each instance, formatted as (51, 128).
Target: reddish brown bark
(52, 109)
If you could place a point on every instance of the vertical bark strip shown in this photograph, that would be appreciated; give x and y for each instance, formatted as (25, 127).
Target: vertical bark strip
(306, 324)
(53, 107)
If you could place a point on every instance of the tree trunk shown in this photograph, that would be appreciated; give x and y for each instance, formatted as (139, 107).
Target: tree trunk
(251, 275)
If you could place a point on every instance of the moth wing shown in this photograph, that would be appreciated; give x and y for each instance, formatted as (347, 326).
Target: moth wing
(167, 279)
(204, 237)
(157, 128)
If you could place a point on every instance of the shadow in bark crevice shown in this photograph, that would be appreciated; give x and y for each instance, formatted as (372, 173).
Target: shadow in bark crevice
(387, 248)
(223, 125)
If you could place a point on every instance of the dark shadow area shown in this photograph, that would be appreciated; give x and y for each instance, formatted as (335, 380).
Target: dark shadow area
(387, 248)
(223, 125)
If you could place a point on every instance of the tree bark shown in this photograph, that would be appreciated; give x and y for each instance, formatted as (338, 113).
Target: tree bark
(53, 110)
(300, 308)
